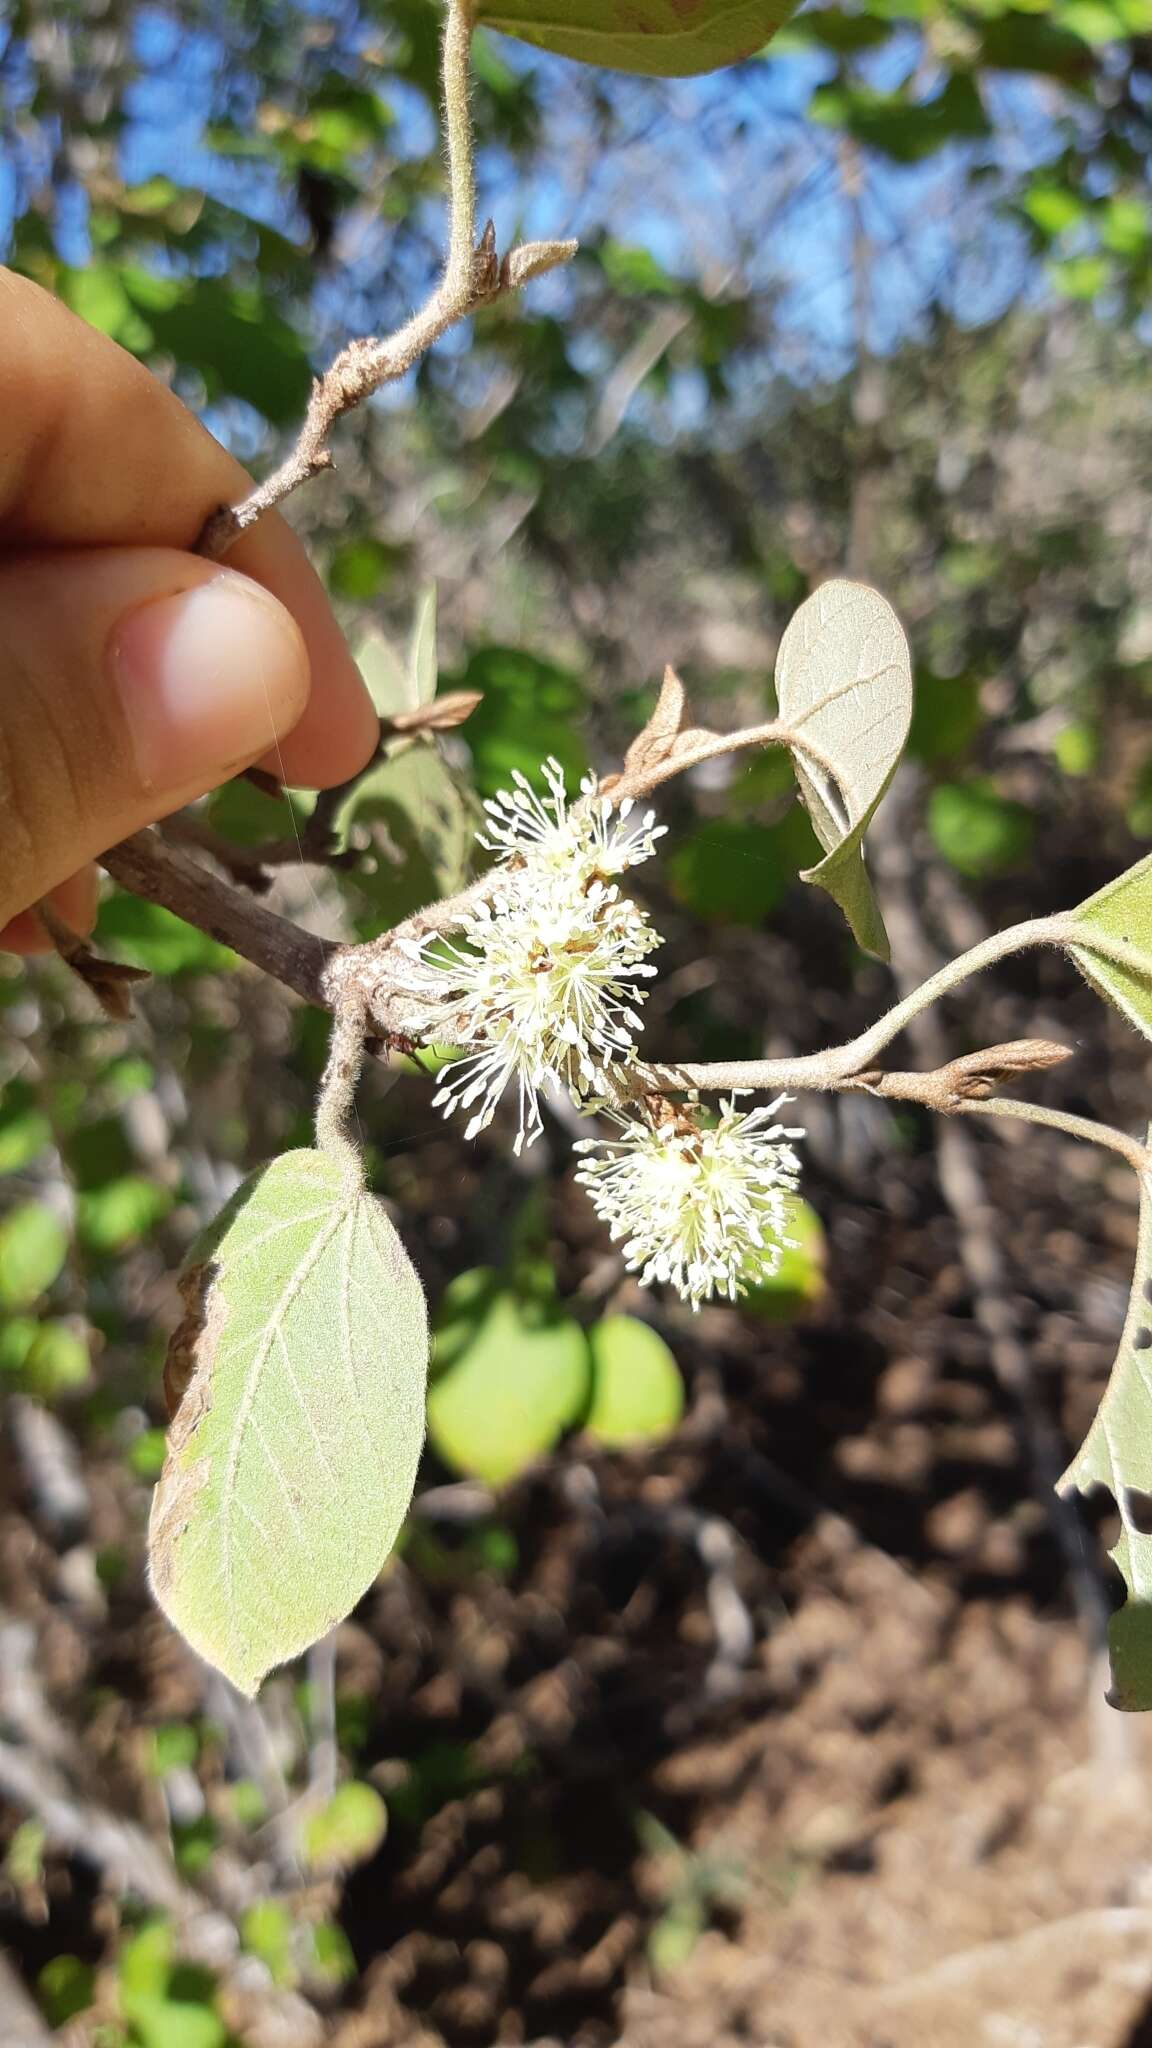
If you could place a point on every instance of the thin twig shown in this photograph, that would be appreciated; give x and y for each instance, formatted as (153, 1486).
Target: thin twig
(473, 275)
(365, 977)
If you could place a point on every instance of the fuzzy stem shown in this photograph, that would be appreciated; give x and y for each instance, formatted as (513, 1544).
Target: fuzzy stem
(840, 1063)
(1129, 1149)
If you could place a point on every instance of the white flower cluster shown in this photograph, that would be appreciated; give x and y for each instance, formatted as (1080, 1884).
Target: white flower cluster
(701, 1207)
(541, 987)
(544, 982)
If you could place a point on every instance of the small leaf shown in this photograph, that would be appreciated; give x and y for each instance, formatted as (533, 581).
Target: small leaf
(419, 827)
(121, 1213)
(24, 1129)
(978, 831)
(518, 1378)
(730, 872)
(57, 1361)
(663, 38)
(385, 675)
(1122, 910)
(299, 1372)
(33, 1248)
(156, 940)
(1117, 1454)
(637, 1391)
(345, 1831)
(844, 689)
(422, 664)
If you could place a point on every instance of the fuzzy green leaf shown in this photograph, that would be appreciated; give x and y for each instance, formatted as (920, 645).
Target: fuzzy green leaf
(637, 1391)
(844, 690)
(300, 1371)
(663, 38)
(1117, 1454)
(1121, 910)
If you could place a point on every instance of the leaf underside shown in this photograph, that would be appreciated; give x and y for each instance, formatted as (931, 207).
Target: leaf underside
(1117, 1454)
(299, 1371)
(844, 691)
(664, 38)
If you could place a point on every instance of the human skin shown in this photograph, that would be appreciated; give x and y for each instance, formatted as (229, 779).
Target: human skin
(134, 675)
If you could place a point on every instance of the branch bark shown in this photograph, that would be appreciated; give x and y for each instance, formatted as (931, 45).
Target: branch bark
(474, 275)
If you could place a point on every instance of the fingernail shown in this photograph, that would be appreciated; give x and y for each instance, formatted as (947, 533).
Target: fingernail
(207, 679)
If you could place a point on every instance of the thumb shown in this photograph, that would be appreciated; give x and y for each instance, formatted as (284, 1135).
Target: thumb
(131, 681)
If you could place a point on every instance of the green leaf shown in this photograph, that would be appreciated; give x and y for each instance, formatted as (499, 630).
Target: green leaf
(1121, 910)
(1117, 1454)
(230, 335)
(123, 1212)
(518, 1379)
(359, 569)
(1080, 277)
(66, 1986)
(56, 1362)
(531, 708)
(946, 717)
(663, 38)
(637, 1391)
(162, 2022)
(33, 1248)
(1053, 208)
(150, 937)
(24, 1129)
(844, 690)
(266, 1931)
(348, 1830)
(905, 130)
(634, 272)
(419, 829)
(422, 663)
(300, 1371)
(832, 30)
(729, 871)
(976, 829)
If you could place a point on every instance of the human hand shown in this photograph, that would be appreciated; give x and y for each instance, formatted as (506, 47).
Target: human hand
(134, 675)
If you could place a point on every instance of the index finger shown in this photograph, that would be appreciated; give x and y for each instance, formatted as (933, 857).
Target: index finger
(97, 452)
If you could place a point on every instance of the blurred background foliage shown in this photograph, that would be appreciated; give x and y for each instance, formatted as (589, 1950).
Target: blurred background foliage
(875, 300)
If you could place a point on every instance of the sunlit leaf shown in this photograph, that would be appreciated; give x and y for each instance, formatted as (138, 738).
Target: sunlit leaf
(345, 1831)
(24, 1129)
(359, 569)
(153, 938)
(1117, 1454)
(976, 829)
(844, 690)
(729, 871)
(1121, 910)
(56, 1362)
(33, 1248)
(637, 1391)
(530, 708)
(417, 827)
(122, 1212)
(518, 1378)
(300, 1372)
(665, 38)
(422, 663)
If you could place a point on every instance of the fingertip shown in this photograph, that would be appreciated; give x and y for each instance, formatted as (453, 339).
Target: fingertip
(75, 901)
(338, 730)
